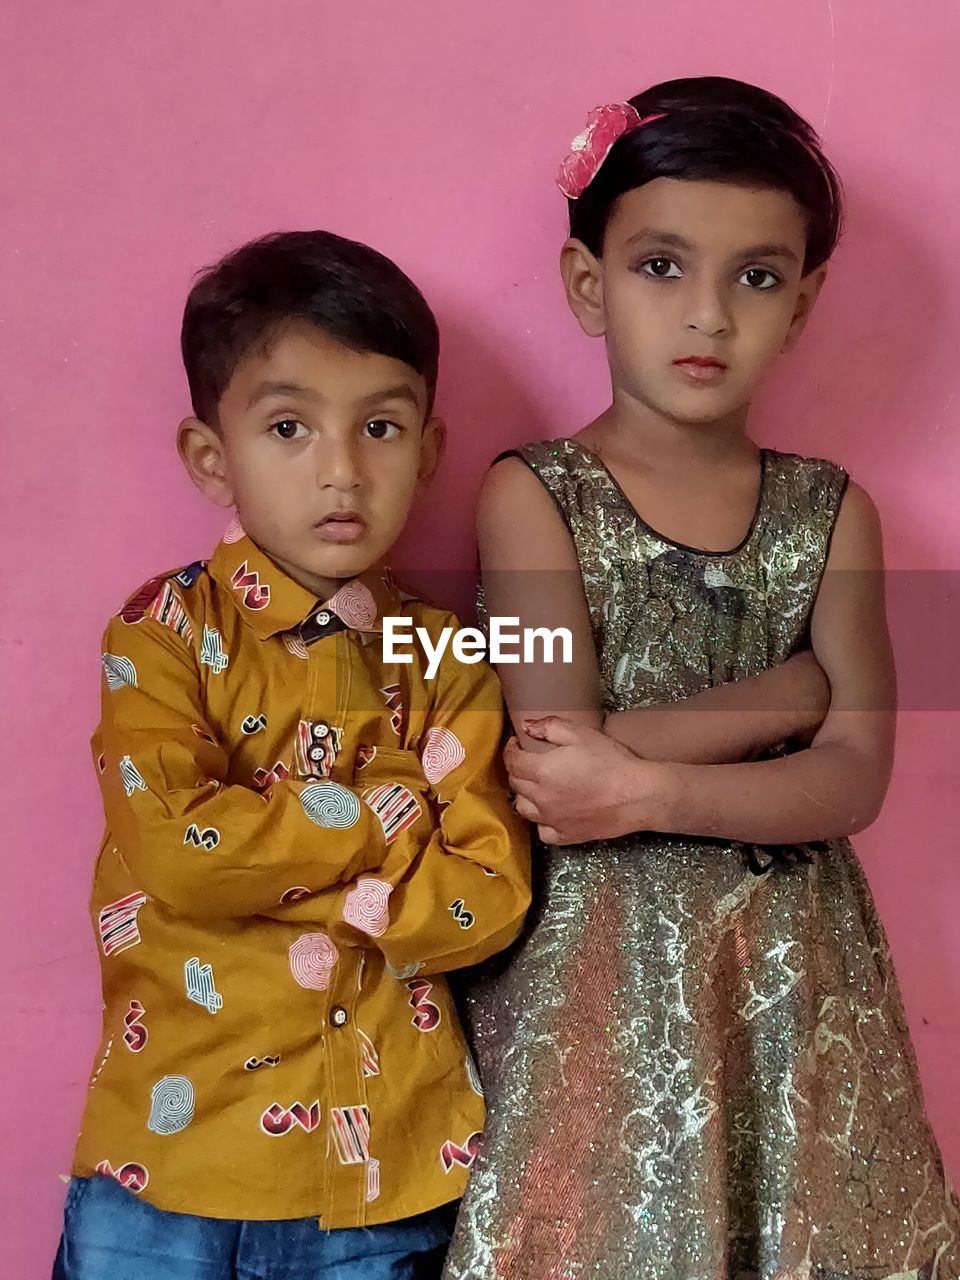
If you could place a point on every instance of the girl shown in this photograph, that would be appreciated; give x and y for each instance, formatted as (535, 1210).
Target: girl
(697, 1061)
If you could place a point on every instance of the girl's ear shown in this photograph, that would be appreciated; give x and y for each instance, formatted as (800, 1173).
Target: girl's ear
(583, 282)
(810, 287)
(201, 451)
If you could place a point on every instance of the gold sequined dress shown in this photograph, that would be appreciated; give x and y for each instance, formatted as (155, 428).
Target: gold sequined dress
(696, 1068)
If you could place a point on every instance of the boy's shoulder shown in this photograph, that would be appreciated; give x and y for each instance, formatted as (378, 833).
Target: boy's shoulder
(411, 601)
(177, 600)
(144, 602)
(423, 611)
(448, 649)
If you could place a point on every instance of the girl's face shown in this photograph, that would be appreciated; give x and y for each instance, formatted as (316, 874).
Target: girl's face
(699, 288)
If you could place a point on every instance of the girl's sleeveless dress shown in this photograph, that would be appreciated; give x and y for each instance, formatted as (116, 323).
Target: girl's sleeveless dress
(696, 1060)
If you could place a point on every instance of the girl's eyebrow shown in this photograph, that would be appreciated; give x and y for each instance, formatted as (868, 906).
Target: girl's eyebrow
(670, 240)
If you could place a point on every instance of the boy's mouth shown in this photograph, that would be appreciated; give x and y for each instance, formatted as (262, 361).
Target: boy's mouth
(341, 526)
(701, 368)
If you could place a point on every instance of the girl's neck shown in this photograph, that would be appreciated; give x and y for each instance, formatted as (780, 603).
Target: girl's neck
(632, 430)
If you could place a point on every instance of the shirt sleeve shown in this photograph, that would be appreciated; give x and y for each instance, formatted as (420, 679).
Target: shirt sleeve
(201, 846)
(457, 896)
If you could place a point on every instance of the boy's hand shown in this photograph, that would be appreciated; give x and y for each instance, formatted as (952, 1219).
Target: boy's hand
(588, 788)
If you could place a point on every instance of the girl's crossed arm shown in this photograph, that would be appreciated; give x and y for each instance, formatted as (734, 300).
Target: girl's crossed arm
(531, 572)
(832, 789)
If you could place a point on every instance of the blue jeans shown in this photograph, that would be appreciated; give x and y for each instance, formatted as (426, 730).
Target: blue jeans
(111, 1235)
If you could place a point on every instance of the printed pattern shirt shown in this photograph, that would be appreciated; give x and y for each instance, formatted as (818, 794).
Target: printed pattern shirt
(300, 841)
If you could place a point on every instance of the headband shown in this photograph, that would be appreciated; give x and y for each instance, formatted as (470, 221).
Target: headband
(590, 148)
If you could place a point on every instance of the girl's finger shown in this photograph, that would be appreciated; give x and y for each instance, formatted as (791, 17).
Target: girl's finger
(526, 809)
(523, 764)
(553, 729)
(521, 787)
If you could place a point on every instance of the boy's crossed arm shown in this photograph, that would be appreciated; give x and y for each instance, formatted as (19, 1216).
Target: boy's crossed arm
(454, 889)
(201, 846)
(456, 894)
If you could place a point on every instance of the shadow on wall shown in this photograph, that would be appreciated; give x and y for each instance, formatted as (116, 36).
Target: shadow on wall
(866, 384)
(487, 408)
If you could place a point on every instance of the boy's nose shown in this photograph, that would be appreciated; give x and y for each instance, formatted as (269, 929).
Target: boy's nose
(340, 468)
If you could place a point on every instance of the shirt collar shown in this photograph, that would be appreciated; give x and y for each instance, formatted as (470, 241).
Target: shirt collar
(270, 602)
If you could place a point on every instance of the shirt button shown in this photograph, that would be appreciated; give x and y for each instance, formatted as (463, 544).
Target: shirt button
(323, 617)
(320, 729)
(338, 1016)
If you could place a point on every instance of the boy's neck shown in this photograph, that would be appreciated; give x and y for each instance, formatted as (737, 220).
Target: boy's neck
(323, 588)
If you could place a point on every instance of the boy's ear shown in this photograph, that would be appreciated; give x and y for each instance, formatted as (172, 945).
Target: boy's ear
(810, 287)
(201, 449)
(432, 447)
(583, 282)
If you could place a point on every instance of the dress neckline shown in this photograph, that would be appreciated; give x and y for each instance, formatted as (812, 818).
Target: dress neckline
(600, 465)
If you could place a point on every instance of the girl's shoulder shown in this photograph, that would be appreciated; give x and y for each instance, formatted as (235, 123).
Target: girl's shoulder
(806, 486)
(568, 458)
(796, 490)
(561, 452)
(558, 463)
(572, 475)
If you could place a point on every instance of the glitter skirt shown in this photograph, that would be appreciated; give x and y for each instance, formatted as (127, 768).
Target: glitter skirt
(696, 1072)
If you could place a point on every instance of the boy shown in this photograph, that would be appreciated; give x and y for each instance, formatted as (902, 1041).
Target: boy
(300, 839)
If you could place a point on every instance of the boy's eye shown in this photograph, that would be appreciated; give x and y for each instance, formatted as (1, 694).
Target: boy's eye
(759, 278)
(289, 429)
(661, 268)
(381, 429)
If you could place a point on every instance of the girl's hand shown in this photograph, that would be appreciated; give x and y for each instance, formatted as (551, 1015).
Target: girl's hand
(588, 788)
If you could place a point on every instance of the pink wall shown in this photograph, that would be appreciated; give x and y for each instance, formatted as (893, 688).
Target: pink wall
(141, 141)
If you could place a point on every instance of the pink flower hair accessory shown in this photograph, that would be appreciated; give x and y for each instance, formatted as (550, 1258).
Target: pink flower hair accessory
(590, 148)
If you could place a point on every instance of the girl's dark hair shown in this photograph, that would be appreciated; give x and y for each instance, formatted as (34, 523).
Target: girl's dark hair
(718, 130)
(348, 290)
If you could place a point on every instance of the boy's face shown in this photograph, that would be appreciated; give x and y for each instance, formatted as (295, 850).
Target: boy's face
(321, 449)
(699, 289)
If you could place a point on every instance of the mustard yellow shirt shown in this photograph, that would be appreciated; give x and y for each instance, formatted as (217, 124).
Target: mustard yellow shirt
(299, 842)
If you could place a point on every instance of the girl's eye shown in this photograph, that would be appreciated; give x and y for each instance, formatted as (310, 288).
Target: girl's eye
(661, 268)
(289, 429)
(759, 278)
(381, 429)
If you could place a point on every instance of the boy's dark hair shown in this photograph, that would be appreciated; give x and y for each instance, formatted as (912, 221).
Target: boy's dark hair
(351, 292)
(718, 130)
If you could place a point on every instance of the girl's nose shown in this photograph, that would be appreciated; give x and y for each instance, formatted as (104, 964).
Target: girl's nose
(708, 312)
